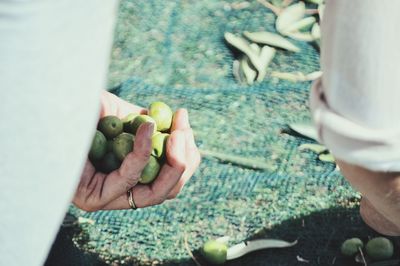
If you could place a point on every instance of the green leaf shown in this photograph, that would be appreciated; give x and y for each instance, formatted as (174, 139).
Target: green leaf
(317, 148)
(306, 129)
(326, 157)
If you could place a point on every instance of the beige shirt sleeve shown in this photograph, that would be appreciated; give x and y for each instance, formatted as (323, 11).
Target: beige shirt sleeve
(356, 104)
(53, 62)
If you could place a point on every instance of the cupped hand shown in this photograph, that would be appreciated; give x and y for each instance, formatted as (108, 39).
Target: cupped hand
(99, 191)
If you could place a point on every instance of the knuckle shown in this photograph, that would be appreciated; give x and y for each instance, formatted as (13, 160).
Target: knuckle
(131, 182)
(142, 156)
(159, 200)
(131, 176)
(179, 166)
(86, 205)
(178, 188)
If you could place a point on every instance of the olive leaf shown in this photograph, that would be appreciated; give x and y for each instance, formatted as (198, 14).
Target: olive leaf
(260, 62)
(306, 129)
(242, 45)
(316, 31)
(294, 77)
(272, 39)
(314, 75)
(326, 157)
(317, 148)
(249, 73)
(255, 48)
(300, 36)
(237, 72)
(266, 55)
(83, 220)
(243, 248)
(301, 259)
(297, 76)
(256, 163)
(323, 153)
(299, 25)
(290, 15)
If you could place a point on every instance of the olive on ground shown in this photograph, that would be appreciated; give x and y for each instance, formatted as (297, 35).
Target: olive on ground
(351, 246)
(379, 248)
(214, 252)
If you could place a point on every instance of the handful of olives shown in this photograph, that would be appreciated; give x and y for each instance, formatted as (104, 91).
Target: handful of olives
(114, 139)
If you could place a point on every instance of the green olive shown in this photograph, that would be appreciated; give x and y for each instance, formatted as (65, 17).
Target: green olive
(97, 164)
(140, 119)
(162, 114)
(351, 246)
(109, 163)
(122, 145)
(109, 145)
(159, 143)
(214, 252)
(99, 146)
(379, 248)
(150, 172)
(127, 120)
(110, 126)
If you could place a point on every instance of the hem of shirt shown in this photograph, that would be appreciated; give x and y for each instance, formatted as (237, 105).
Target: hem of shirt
(373, 149)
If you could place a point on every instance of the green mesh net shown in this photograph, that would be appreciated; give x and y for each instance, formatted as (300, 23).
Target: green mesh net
(174, 51)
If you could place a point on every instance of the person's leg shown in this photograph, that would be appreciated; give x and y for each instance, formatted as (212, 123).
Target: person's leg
(54, 59)
(380, 207)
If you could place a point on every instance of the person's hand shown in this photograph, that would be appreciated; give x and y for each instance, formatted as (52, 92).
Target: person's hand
(98, 191)
(380, 205)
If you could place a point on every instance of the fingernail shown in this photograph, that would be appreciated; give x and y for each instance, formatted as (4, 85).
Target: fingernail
(149, 128)
(185, 116)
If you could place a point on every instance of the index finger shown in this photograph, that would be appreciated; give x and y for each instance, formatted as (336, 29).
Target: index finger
(158, 191)
(122, 179)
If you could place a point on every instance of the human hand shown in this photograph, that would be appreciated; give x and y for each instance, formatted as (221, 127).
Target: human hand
(98, 191)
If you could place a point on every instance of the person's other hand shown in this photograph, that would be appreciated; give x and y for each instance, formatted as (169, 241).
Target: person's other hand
(98, 191)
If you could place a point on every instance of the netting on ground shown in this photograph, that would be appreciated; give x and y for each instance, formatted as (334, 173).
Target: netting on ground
(174, 51)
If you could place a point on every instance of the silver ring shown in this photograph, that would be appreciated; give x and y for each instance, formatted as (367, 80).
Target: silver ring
(130, 200)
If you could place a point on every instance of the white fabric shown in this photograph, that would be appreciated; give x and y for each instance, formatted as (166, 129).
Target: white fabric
(54, 58)
(356, 105)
